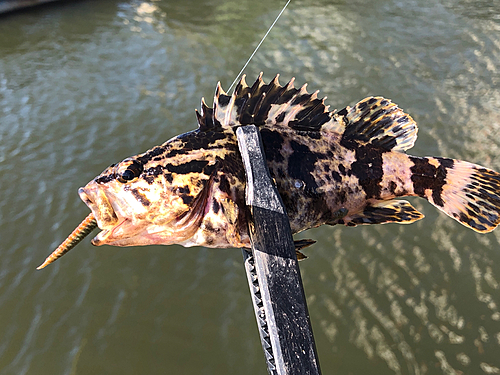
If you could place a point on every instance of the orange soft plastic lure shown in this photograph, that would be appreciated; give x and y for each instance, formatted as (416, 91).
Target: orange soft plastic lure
(86, 226)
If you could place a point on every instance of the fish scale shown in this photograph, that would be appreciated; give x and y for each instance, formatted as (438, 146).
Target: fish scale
(330, 167)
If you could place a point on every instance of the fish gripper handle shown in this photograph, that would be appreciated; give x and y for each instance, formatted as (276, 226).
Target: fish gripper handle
(272, 269)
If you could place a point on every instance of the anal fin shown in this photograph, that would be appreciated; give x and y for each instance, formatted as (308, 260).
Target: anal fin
(393, 211)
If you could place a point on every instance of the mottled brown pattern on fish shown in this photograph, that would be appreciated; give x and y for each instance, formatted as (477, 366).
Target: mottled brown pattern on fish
(330, 167)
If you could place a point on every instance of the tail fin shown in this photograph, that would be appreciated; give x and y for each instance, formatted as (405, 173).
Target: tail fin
(467, 192)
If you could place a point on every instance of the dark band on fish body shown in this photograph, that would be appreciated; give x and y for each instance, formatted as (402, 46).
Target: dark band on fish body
(152, 173)
(190, 141)
(442, 170)
(141, 197)
(309, 133)
(105, 179)
(153, 153)
(341, 197)
(336, 176)
(215, 206)
(173, 153)
(224, 184)
(427, 176)
(273, 145)
(367, 167)
(392, 187)
(184, 192)
(149, 179)
(194, 166)
(187, 199)
(198, 140)
(184, 189)
(300, 164)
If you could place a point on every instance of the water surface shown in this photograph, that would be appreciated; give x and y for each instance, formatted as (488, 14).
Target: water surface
(85, 84)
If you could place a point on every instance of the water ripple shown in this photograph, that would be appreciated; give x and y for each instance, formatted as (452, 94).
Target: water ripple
(84, 85)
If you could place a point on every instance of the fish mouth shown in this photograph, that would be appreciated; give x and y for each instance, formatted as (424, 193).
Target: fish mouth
(106, 215)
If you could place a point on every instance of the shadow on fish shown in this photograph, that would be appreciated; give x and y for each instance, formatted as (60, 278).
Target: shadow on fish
(191, 189)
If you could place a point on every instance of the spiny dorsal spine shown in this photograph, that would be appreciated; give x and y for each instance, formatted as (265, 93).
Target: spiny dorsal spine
(263, 103)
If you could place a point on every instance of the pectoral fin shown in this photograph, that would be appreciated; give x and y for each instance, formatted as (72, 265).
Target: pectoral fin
(394, 211)
(231, 212)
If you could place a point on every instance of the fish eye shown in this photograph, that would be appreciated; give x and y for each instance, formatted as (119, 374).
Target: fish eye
(129, 172)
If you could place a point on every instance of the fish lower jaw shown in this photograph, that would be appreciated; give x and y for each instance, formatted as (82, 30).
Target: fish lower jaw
(100, 238)
(110, 235)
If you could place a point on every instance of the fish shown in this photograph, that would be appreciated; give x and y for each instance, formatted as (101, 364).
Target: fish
(334, 167)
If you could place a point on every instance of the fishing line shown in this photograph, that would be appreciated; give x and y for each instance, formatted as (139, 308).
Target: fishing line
(258, 45)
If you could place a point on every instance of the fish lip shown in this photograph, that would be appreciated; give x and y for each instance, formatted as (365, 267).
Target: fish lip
(106, 216)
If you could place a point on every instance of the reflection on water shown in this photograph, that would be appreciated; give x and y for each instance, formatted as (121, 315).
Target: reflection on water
(85, 84)
(402, 303)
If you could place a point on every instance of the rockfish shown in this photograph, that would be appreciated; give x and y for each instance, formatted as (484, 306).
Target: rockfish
(190, 190)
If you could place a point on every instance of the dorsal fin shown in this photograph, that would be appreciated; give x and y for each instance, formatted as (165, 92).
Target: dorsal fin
(205, 121)
(262, 104)
(378, 121)
(373, 120)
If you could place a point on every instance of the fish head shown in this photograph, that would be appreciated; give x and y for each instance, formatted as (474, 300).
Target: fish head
(148, 199)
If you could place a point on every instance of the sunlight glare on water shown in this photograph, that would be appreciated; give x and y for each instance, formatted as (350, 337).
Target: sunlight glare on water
(85, 84)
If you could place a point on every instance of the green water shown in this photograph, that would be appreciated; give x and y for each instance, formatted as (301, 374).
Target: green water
(85, 84)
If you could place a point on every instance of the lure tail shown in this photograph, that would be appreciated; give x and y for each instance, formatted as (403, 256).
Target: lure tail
(466, 192)
(86, 226)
